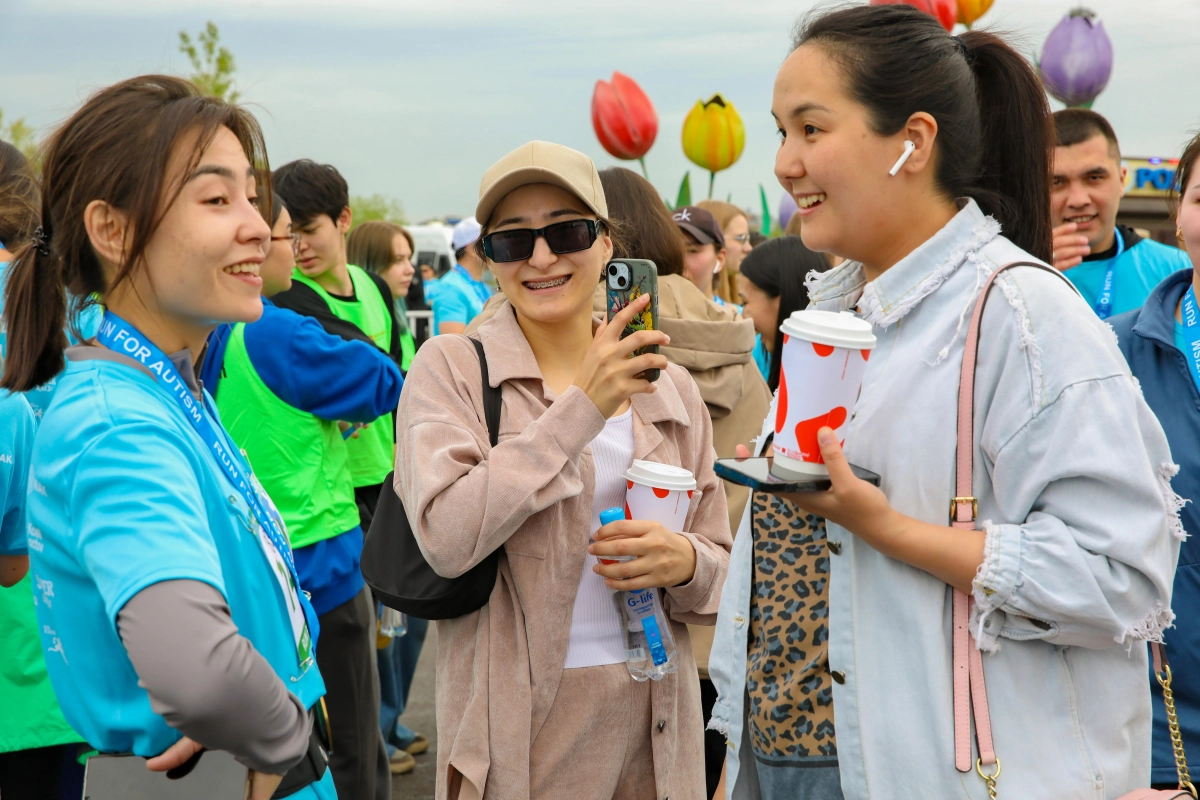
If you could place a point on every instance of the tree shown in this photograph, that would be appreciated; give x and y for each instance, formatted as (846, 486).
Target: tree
(21, 136)
(212, 65)
(376, 207)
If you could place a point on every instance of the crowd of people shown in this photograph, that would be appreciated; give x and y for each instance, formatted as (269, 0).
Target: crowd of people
(210, 380)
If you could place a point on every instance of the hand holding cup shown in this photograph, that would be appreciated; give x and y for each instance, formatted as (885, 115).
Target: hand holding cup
(663, 558)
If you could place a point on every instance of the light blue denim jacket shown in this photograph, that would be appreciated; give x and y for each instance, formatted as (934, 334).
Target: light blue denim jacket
(1072, 473)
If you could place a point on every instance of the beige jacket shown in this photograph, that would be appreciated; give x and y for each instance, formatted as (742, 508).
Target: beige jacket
(499, 668)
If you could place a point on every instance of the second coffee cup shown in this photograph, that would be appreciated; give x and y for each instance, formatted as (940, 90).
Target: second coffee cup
(659, 493)
(825, 356)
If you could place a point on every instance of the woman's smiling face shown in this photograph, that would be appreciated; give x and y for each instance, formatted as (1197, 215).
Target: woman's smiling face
(548, 287)
(829, 159)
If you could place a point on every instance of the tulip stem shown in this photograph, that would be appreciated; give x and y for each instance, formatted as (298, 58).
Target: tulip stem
(712, 176)
(642, 161)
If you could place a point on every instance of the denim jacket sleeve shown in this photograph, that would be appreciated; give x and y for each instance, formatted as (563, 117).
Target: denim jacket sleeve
(1079, 548)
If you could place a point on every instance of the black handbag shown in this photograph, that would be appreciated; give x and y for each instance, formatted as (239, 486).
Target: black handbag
(392, 562)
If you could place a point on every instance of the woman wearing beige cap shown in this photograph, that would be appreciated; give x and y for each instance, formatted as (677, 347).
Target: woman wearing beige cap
(534, 695)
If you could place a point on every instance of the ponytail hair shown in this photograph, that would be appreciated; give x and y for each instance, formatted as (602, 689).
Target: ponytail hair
(116, 148)
(995, 139)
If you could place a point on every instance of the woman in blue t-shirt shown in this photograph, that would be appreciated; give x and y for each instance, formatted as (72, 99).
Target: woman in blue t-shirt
(165, 588)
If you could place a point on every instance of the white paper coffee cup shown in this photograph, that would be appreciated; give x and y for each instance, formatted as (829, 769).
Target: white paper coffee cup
(659, 493)
(825, 356)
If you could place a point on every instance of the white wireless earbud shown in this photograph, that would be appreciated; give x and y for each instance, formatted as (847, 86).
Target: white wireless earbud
(908, 151)
(717, 269)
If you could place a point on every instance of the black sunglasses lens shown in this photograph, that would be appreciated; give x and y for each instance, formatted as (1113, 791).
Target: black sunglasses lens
(570, 237)
(511, 245)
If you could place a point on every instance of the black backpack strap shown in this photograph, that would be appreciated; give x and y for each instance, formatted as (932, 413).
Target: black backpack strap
(492, 398)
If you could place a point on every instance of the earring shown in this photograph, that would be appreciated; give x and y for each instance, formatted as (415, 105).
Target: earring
(908, 151)
(1179, 234)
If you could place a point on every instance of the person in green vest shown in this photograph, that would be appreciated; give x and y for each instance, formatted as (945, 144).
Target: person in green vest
(348, 301)
(287, 392)
(386, 249)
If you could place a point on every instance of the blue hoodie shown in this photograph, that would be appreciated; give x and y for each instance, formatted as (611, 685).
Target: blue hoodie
(1147, 340)
(331, 378)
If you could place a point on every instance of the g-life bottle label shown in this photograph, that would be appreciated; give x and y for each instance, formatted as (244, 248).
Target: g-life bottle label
(641, 606)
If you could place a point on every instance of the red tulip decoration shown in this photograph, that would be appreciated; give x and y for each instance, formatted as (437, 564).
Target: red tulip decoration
(624, 118)
(944, 11)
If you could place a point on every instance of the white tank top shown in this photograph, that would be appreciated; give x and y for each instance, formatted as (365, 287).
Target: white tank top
(596, 635)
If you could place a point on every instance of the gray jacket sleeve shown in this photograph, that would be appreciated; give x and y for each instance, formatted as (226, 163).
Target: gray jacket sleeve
(207, 680)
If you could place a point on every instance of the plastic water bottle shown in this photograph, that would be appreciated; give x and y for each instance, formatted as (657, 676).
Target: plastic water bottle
(649, 644)
(392, 623)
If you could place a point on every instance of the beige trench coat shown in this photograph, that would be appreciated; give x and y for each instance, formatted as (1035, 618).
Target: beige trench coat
(499, 668)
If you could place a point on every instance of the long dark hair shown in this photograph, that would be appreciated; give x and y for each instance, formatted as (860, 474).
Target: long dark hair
(1183, 172)
(995, 139)
(778, 266)
(647, 230)
(116, 149)
(19, 200)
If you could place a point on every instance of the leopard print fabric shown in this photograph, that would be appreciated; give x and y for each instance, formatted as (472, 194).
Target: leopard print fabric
(787, 669)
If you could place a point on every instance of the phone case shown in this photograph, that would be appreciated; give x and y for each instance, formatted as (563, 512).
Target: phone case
(643, 279)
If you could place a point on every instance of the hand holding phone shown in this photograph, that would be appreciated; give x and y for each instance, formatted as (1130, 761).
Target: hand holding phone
(611, 372)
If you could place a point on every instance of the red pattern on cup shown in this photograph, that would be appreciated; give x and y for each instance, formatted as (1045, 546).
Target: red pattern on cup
(806, 432)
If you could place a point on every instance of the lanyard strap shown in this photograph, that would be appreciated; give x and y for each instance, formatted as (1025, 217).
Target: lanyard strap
(119, 336)
(1103, 304)
(1191, 332)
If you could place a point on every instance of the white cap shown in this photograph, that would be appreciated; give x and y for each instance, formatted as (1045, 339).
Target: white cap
(662, 476)
(465, 232)
(836, 329)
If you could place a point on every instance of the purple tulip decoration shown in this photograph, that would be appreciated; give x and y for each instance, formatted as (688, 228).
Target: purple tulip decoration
(1077, 59)
(787, 207)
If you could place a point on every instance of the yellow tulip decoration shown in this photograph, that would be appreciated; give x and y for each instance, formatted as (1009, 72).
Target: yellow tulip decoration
(971, 10)
(713, 136)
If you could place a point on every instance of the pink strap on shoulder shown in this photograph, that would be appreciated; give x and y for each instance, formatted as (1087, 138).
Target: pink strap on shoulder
(970, 694)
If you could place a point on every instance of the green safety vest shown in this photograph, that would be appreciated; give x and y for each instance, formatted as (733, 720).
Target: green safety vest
(373, 453)
(300, 459)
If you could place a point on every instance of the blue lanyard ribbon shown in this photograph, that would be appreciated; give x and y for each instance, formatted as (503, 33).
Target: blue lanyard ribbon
(1191, 332)
(1103, 304)
(121, 337)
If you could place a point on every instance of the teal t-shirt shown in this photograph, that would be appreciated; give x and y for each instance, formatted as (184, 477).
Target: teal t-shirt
(1140, 267)
(459, 298)
(16, 443)
(124, 494)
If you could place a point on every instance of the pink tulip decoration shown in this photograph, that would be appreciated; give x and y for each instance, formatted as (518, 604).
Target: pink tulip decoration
(1077, 59)
(624, 118)
(944, 11)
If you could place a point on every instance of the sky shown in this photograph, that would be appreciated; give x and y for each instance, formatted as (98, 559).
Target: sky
(414, 99)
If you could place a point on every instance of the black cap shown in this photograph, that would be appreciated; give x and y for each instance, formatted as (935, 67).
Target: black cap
(700, 224)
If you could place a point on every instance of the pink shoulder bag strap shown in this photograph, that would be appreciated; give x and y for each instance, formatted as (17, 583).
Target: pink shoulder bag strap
(970, 694)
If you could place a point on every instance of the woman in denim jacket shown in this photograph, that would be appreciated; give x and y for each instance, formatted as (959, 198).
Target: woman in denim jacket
(908, 152)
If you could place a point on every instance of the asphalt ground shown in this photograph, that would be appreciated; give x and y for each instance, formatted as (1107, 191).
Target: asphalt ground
(419, 716)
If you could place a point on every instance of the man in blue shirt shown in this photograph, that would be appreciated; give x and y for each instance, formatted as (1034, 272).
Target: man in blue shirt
(461, 292)
(1113, 268)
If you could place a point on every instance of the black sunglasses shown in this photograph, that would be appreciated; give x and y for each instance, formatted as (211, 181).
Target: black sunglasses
(562, 237)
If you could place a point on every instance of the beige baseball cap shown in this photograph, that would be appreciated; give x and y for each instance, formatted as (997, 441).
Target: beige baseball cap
(541, 162)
